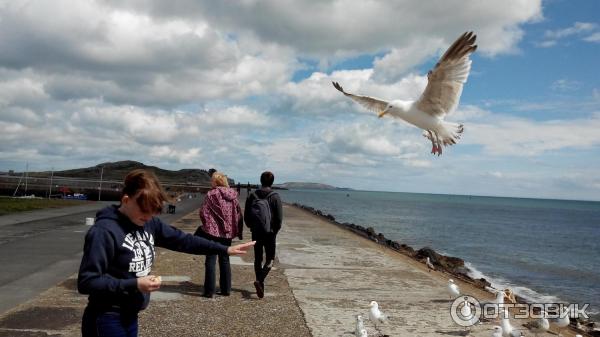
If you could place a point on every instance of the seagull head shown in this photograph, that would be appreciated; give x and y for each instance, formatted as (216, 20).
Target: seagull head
(450, 281)
(373, 304)
(359, 318)
(386, 110)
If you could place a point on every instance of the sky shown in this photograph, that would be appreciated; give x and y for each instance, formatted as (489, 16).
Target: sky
(245, 86)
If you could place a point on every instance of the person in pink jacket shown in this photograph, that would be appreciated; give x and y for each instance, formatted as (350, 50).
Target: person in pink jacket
(222, 220)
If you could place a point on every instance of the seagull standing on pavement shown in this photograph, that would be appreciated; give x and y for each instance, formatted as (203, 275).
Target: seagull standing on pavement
(497, 332)
(453, 290)
(359, 325)
(562, 321)
(375, 315)
(441, 96)
(507, 329)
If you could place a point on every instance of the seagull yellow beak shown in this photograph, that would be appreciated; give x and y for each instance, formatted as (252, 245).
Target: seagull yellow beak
(382, 113)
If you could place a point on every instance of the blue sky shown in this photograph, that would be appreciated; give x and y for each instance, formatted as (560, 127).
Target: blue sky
(246, 86)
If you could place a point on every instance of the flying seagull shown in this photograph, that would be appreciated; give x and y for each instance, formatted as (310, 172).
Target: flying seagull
(441, 96)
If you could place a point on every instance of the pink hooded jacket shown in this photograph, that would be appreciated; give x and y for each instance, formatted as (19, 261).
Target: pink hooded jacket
(221, 214)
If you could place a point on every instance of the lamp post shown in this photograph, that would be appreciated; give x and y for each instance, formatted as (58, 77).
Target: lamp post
(100, 187)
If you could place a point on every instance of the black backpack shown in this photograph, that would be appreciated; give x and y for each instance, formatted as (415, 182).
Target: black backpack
(260, 214)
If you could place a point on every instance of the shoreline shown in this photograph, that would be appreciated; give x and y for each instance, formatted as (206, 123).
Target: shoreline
(453, 266)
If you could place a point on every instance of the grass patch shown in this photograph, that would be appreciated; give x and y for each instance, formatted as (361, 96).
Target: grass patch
(13, 205)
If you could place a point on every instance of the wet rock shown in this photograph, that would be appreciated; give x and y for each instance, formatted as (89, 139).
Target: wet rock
(448, 263)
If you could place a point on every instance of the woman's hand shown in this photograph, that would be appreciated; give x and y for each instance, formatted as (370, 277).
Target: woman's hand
(240, 249)
(149, 283)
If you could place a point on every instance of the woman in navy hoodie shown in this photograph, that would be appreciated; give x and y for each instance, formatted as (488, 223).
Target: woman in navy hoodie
(222, 220)
(119, 252)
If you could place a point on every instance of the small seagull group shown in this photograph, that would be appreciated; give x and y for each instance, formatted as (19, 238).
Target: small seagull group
(375, 316)
(536, 327)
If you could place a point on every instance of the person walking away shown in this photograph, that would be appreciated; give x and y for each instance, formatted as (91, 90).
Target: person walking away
(263, 215)
(118, 255)
(222, 220)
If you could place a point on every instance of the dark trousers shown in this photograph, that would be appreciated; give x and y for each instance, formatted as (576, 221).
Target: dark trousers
(108, 324)
(264, 243)
(210, 267)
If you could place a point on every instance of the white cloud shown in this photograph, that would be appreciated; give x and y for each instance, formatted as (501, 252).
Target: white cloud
(551, 37)
(595, 37)
(126, 56)
(565, 85)
(330, 27)
(510, 136)
(578, 27)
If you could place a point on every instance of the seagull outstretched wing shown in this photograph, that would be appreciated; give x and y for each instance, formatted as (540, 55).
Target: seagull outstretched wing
(370, 103)
(445, 81)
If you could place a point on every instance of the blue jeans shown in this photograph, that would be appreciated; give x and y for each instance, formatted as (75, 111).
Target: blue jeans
(108, 324)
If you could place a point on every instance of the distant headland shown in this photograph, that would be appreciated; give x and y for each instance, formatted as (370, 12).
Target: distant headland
(309, 186)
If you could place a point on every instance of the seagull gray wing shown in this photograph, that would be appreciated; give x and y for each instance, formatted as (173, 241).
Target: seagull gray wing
(445, 81)
(371, 103)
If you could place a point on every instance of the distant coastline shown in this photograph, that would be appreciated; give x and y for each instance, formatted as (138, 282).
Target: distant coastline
(309, 186)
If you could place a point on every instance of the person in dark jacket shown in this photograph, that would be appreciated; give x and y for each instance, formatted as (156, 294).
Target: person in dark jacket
(265, 241)
(119, 252)
(222, 220)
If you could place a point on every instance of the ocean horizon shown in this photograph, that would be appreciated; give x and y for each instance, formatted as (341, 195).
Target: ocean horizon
(545, 250)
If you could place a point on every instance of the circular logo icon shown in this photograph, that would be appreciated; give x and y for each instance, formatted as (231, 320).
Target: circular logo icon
(465, 311)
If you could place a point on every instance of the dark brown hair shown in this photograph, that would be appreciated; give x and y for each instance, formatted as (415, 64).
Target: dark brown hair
(266, 179)
(145, 186)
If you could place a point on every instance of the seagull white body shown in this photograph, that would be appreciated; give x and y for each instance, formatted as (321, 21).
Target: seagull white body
(538, 326)
(440, 97)
(429, 264)
(499, 301)
(363, 333)
(375, 315)
(453, 289)
(359, 325)
(466, 311)
(507, 329)
(562, 321)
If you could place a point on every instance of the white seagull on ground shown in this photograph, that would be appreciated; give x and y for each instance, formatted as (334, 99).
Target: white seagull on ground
(375, 315)
(466, 311)
(538, 326)
(508, 330)
(453, 289)
(429, 264)
(497, 331)
(562, 321)
(359, 325)
(441, 96)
